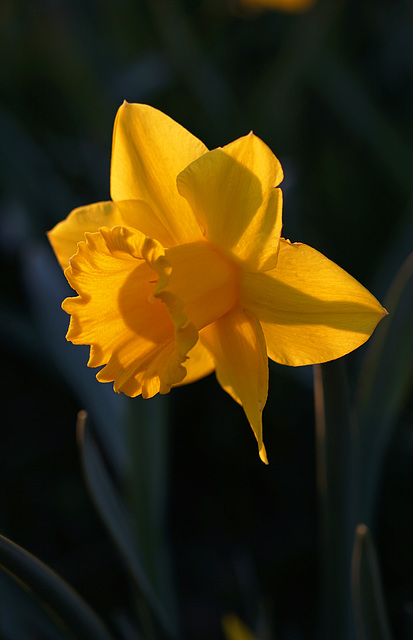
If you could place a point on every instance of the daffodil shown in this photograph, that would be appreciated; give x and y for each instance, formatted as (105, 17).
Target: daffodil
(281, 5)
(185, 272)
(234, 629)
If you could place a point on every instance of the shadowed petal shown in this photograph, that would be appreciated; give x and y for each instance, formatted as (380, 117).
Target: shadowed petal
(149, 151)
(237, 344)
(310, 309)
(231, 191)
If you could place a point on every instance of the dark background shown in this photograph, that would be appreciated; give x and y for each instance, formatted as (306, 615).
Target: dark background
(330, 90)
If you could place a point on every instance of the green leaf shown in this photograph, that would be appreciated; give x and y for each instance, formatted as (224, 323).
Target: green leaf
(385, 382)
(68, 609)
(115, 518)
(21, 618)
(368, 602)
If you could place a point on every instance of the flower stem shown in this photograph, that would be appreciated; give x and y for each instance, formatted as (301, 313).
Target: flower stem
(337, 470)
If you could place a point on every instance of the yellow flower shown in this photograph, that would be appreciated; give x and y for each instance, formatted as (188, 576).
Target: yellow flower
(234, 629)
(184, 271)
(281, 5)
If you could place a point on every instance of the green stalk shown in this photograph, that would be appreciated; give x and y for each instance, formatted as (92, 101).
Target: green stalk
(146, 493)
(337, 466)
(368, 601)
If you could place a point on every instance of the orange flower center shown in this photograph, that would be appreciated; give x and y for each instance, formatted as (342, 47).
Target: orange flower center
(206, 281)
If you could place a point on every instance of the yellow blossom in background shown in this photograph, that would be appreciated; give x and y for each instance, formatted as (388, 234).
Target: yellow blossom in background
(281, 5)
(184, 271)
(234, 629)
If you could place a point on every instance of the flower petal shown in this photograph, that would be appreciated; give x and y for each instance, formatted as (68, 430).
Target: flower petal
(310, 309)
(199, 364)
(149, 151)
(237, 344)
(231, 191)
(131, 213)
(66, 234)
(143, 343)
(139, 215)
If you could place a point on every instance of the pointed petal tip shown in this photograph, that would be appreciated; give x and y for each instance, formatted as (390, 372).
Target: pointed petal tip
(381, 311)
(263, 454)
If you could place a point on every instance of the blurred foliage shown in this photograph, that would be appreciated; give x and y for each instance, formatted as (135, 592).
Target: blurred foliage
(331, 92)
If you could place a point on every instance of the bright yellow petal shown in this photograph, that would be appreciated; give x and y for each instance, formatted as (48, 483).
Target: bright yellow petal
(310, 309)
(65, 235)
(139, 215)
(149, 151)
(89, 219)
(142, 342)
(231, 191)
(237, 344)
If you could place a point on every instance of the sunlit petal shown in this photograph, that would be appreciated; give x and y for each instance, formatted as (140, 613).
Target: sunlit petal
(65, 235)
(231, 191)
(139, 215)
(149, 151)
(310, 309)
(237, 344)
